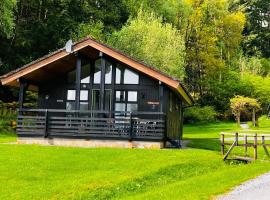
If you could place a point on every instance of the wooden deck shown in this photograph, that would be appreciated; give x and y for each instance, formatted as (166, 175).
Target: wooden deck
(92, 124)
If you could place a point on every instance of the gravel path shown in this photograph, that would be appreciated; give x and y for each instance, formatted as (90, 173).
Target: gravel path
(256, 189)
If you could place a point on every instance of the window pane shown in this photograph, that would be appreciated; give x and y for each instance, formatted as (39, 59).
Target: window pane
(97, 72)
(83, 106)
(132, 107)
(108, 73)
(84, 95)
(118, 76)
(71, 95)
(132, 96)
(130, 77)
(70, 105)
(85, 74)
(95, 99)
(120, 96)
(71, 76)
(120, 107)
(108, 96)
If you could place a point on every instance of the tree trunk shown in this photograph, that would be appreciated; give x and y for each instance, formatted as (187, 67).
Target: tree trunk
(254, 117)
(238, 118)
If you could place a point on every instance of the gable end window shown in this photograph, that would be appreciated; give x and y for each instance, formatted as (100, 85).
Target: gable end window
(126, 76)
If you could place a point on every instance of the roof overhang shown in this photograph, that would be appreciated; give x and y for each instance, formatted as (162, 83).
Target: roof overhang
(48, 62)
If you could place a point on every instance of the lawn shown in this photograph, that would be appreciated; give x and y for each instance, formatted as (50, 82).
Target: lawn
(50, 172)
(7, 134)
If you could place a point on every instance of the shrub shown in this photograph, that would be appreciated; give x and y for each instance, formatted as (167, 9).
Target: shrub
(198, 114)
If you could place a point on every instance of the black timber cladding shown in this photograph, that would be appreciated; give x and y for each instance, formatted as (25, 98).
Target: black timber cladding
(53, 95)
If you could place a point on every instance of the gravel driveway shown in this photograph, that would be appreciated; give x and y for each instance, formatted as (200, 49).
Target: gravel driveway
(256, 189)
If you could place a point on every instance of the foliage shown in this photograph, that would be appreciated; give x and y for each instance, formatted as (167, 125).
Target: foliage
(257, 28)
(212, 42)
(90, 29)
(260, 87)
(157, 44)
(240, 104)
(43, 26)
(7, 17)
(200, 114)
(255, 65)
(218, 48)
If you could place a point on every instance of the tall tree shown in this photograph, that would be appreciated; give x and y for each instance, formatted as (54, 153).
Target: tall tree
(158, 44)
(213, 37)
(257, 31)
(7, 17)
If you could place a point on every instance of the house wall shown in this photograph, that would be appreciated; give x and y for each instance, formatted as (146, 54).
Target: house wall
(53, 95)
(174, 111)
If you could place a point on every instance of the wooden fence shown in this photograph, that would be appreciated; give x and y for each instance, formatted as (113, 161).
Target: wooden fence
(244, 140)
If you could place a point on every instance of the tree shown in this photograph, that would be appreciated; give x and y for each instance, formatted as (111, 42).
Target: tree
(7, 17)
(257, 34)
(153, 42)
(241, 103)
(213, 37)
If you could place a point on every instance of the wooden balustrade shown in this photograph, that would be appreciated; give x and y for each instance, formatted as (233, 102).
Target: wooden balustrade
(92, 124)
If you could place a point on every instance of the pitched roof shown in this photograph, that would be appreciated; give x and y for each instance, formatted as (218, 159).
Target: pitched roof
(11, 77)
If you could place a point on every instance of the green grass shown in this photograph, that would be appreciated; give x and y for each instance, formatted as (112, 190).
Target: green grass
(7, 134)
(205, 136)
(264, 124)
(37, 172)
(43, 172)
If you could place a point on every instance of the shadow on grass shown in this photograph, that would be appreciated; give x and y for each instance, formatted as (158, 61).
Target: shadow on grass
(205, 143)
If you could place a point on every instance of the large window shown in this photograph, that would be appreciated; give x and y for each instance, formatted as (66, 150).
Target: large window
(96, 100)
(108, 72)
(130, 77)
(125, 76)
(126, 101)
(97, 72)
(71, 97)
(85, 74)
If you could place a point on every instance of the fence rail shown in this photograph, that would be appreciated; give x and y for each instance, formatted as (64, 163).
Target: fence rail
(95, 124)
(244, 139)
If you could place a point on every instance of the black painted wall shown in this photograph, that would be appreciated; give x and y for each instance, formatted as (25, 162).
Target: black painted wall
(53, 95)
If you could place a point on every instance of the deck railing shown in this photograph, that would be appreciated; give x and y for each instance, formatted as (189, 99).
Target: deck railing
(92, 124)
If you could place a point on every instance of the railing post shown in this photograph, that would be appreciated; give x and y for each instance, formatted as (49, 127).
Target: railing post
(131, 127)
(236, 139)
(246, 144)
(264, 147)
(255, 146)
(222, 143)
(46, 134)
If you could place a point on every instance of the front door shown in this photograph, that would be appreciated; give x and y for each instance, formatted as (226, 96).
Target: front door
(96, 100)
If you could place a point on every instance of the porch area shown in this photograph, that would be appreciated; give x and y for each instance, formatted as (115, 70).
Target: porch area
(103, 125)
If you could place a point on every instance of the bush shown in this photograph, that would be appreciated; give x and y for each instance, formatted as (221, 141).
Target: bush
(198, 114)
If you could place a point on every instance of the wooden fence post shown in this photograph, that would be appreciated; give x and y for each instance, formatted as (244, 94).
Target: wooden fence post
(131, 127)
(264, 146)
(246, 144)
(255, 146)
(46, 124)
(222, 143)
(236, 139)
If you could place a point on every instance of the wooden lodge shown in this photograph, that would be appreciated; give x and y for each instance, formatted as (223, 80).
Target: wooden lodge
(94, 95)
